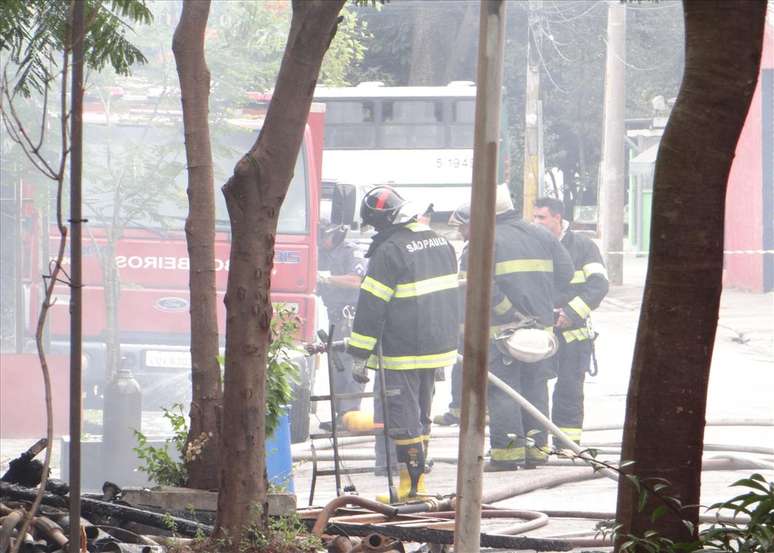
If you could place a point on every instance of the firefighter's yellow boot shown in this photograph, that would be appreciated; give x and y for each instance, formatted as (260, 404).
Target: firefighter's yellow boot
(404, 488)
(412, 476)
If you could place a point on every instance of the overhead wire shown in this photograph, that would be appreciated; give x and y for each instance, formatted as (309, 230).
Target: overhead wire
(580, 15)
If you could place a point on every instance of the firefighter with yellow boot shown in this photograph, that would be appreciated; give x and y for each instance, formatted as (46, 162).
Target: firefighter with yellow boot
(587, 289)
(530, 266)
(408, 306)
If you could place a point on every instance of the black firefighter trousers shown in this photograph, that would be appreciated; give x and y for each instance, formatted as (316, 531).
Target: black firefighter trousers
(408, 411)
(509, 425)
(571, 365)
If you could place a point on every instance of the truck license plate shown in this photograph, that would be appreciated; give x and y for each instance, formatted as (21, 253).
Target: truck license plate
(168, 359)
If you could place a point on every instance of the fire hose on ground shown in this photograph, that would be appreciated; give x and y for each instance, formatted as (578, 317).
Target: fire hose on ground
(524, 487)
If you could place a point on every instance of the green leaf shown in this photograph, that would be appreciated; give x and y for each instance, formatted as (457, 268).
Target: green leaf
(752, 482)
(635, 481)
(643, 500)
(657, 513)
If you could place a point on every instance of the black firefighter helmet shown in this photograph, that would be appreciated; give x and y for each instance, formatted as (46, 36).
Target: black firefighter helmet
(380, 206)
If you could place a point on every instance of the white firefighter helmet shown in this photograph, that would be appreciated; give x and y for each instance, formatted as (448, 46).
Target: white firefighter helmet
(528, 345)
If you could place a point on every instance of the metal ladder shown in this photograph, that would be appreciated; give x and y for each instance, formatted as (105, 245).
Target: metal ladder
(330, 350)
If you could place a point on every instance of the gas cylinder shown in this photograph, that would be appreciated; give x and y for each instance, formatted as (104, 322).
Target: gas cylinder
(121, 416)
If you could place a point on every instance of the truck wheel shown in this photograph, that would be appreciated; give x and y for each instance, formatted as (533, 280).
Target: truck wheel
(299, 417)
(300, 407)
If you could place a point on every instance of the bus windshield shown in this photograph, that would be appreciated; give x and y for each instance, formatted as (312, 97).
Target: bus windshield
(135, 176)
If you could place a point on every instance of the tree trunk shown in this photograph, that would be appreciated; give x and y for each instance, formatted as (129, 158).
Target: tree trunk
(188, 48)
(254, 195)
(111, 293)
(460, 65)
(424, 65)
(664, 429)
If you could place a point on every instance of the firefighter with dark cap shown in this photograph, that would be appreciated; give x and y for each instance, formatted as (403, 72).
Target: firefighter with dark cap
(339, 286)
(530, 266)
(407, 309)
(587, 289)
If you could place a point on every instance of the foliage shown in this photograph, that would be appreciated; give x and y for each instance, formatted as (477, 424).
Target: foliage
(255, 33)
(158, 464)
(281, 372)
(753, 535)
(285, 534)
(33, 31)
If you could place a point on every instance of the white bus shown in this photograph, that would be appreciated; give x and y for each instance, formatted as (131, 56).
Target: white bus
(418, 139)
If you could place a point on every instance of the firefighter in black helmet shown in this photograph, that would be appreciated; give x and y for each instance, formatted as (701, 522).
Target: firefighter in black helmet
(408, 305)
(344, 267)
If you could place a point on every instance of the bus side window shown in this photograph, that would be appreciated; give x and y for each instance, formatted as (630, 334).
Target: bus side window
(368, 112)
(349, 124)
(412, 124)
(463, 116)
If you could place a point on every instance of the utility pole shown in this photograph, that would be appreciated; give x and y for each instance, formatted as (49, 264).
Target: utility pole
(532, 134)
(611, 194)
(467, 522)
(76, 281)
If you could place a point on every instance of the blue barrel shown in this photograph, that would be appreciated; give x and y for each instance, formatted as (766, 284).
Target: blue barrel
(279, 460)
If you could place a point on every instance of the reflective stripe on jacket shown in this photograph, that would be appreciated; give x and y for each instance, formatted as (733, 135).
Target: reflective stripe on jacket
(408, 299)
(587, 288)
(530, 267)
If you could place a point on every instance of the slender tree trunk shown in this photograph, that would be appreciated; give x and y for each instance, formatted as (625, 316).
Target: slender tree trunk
(254, 195)
(111, 293)
(207, 394)
(664, 429)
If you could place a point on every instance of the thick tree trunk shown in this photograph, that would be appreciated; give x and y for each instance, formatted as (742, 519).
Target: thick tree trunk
(188, 48)
(461, 63)
(254, 195)
(664, 429)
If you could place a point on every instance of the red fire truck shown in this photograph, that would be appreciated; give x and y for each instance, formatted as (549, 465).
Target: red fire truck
(134, 158)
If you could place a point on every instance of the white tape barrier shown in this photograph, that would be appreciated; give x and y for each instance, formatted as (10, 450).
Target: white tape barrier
(725, 252)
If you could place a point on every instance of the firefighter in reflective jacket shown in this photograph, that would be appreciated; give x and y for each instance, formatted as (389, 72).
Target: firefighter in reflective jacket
(530, 266)
(407, 304)
(588, 288)
(339, 288)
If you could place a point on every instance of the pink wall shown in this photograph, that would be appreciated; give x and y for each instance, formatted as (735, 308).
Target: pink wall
(744, 208)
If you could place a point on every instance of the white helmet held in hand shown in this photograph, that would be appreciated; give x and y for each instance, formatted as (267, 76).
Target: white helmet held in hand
(528, 345)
